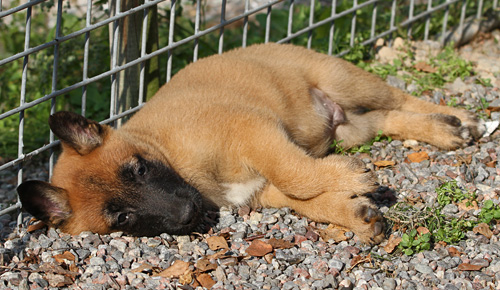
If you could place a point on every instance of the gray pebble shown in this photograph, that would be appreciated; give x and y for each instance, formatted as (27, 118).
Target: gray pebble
(424, 269)
(227, 221)
(450, 209)
(120, 245)
(96, 261)
(336, 264)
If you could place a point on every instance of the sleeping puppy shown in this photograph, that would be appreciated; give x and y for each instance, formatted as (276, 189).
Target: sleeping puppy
(252, 127)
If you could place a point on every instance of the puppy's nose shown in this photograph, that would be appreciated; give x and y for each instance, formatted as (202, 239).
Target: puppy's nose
(187, 214)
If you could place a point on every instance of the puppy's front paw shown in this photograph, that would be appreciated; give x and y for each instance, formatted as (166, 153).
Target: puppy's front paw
(369, 224)
(354, 177)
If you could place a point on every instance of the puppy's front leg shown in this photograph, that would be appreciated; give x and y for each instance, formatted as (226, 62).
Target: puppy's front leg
(299, 176)
(356, 213)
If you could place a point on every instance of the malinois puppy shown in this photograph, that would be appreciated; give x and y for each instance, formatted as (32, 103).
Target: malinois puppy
(252, 127)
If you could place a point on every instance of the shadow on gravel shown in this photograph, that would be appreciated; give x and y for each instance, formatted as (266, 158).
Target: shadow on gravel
(383, 196)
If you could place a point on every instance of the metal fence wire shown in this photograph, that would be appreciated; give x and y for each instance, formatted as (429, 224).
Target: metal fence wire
(76, 55)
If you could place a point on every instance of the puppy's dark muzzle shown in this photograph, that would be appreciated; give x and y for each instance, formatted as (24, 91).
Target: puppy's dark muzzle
(188, 214)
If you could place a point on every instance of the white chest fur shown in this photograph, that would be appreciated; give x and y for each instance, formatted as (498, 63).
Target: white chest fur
(240, 193)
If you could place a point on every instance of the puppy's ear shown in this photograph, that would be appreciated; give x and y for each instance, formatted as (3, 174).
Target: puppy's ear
(78, 132)
(45, 202)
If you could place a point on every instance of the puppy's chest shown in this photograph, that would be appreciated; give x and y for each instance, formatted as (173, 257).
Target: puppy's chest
(240, 193)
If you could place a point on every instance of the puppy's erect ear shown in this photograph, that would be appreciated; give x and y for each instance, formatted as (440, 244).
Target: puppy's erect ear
(78, 132)
(44, 201)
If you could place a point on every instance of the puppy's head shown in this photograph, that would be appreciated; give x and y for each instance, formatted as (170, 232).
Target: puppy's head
(106, 180)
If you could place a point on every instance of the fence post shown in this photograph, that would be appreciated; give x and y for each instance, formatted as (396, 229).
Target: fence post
(129, 49)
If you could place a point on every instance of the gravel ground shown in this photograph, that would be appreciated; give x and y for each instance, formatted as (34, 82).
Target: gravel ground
(277, 249)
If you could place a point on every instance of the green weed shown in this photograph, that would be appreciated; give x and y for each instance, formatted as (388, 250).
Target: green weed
(453, 102)
(441, 228)
(443, 68)
(337, 147)
(484, 82)
(450, 192)
(489, 212)
(414, 242)
(365, 148)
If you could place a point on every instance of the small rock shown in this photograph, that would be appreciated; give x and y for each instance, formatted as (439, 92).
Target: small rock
(269, 219)
(389, 284)
(346, 285)
(386, 55)
(255, 218)
(437, 97)
(226, 221)
(410, 143)
(396, 82)
(118, 244)
(424, 269)
(450, 209)
(458, 86)
(336, 264)
(96, 261)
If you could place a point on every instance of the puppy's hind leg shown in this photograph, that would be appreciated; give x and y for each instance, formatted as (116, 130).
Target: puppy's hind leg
(469, 123)
(441, 130)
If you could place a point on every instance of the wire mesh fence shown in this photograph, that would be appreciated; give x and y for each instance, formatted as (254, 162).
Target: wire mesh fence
(104, 59)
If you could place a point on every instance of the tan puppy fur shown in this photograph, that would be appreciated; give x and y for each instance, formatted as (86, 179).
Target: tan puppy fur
(249, 127)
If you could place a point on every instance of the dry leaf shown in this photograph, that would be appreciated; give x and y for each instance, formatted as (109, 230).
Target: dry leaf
(422, 230)
(147, 269)
(491, 164)
(333, 232)
(467, 205)
(73, 268)
(418, 157)
(425, 67)
(186, 278)
(384, 163)
(469, 267)
(218, 255)
(311, 235)
(280, 244)
(216, 243)
(463, 160)
(204, 265)
(178, 269)
(269, 258)
(65, 256)
(142, 267)
(36, 226)
(298, 239)
(440, 244)
(30, 258)
(205, 280)
(454, 252)
(392, 243)
(56, 269)
(356, 260)
(483, 229)
(259, 248)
